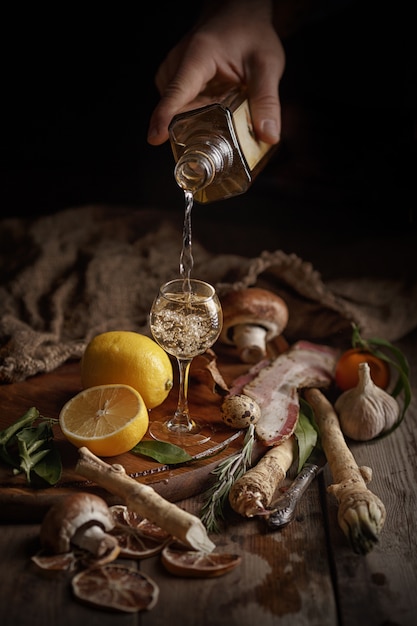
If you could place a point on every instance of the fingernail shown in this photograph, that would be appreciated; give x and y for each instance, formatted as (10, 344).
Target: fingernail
(270, 129)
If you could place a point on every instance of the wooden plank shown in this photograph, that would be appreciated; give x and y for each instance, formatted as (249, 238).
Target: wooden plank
(380, 588)
(306, 573)
(284, 577)
(49, 392)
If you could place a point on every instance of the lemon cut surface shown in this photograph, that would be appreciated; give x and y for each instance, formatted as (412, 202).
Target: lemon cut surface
(128, 358)
(106, 419)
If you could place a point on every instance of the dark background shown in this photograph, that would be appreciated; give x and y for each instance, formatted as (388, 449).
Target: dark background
(77, 93)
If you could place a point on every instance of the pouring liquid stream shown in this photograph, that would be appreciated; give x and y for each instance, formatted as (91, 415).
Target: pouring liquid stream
(185, 320)
(186, 257)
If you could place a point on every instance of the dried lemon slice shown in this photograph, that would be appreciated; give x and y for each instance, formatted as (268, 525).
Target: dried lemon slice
(138, 538)
(178, 559)
(116, 587)
(55, 562)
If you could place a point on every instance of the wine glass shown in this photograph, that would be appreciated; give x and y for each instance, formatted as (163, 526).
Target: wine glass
(185, 319)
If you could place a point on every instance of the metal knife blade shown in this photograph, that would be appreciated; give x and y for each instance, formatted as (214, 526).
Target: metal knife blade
(166, 467)
(283, 508)
(205, 454)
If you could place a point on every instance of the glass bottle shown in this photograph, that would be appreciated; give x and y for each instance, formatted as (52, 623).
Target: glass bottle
(217, 155)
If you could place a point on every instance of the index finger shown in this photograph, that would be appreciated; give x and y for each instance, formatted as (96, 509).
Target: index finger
(179, 93)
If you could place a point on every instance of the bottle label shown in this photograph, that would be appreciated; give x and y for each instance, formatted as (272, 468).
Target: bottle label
(252, 149)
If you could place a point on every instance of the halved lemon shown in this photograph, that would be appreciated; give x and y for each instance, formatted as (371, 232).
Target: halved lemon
(106, 419)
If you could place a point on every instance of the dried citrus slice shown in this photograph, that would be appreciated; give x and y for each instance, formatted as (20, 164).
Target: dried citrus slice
(138, 538)
(55, 562)
(115, 587)
(70, 560)
(107, 419)
(178, 559)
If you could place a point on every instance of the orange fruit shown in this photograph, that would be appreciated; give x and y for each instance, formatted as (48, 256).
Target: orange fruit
(346, 372)
(115, 587)
(128, 358)
(178, 559)
(107, 419)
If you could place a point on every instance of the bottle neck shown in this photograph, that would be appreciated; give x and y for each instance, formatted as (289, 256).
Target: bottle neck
(201, 163)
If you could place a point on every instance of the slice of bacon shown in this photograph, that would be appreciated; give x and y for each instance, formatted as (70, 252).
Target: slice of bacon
(274, 386)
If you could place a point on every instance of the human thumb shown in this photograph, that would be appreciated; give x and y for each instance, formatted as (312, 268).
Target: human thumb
(266, 119)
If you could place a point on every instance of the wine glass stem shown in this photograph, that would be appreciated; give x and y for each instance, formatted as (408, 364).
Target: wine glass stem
(181, 421)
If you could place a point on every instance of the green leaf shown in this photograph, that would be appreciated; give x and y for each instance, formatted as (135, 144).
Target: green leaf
(29, 449)
(305, 433)
(162, 451)
(26, 419)
(33, 446)
(8, 435)
(49, 468)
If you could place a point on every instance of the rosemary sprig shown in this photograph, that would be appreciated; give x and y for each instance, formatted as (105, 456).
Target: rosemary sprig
(227, 472)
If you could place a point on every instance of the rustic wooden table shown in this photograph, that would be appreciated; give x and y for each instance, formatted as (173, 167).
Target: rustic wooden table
(305, 573)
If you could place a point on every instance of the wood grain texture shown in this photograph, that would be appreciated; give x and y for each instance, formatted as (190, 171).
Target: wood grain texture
(49, 392)
(302, 575)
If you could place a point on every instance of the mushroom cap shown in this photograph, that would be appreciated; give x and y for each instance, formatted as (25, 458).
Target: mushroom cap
(253, 306)
(68, 514)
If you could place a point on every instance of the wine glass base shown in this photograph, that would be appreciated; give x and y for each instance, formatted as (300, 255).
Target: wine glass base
(197, 435)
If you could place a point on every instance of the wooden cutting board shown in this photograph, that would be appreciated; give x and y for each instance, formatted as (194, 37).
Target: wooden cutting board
(49, 392)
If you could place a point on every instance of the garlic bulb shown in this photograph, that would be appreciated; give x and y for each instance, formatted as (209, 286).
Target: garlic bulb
(366, 410)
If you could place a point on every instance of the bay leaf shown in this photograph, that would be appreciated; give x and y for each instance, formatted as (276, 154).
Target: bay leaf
(162, 451)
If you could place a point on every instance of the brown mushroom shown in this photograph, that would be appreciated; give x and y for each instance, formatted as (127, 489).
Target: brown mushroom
(82, 520)
(251, 318)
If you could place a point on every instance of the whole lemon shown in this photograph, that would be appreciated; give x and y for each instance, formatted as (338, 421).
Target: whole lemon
(128, 358)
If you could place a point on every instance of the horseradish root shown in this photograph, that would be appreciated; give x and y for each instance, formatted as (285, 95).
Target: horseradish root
(252, 493)
(144, 500)
(361, 514)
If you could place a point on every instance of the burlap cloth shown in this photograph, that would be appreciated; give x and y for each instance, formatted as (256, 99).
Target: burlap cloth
(68, 276)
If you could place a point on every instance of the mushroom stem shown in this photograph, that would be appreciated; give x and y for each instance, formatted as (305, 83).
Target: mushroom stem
(70, 517)
(250, 341)
(95, 540)
(252, 318)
